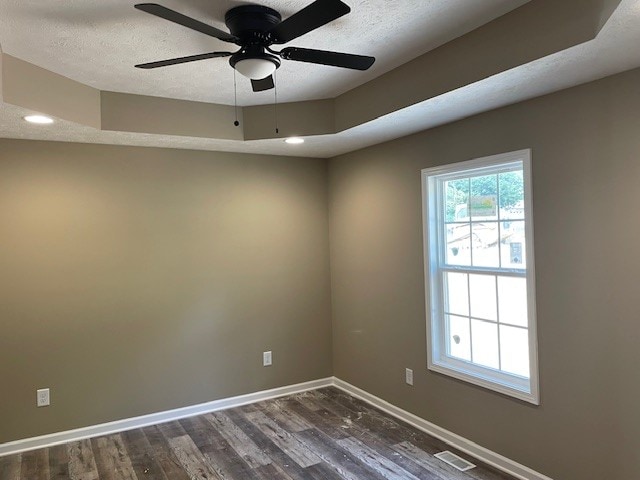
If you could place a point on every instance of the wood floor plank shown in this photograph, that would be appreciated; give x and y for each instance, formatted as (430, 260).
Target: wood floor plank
(172, 429)
(229, 465)
(306, 399)
(323, 471)
(35, 465)
(202, 433)
(225, 461)
(350, 422)
(58, 462)
(324, 434)
(321, 419)
(284, 416)
(10, 467)
(340, 460)
(278, 457)
(393, 430)
(376, 439)
(238, 439)
(141, 455)
(111, 458)
(374, 460)
(373, 419)
(82, 464)
(369, 417)
(291, 445)
(163, 455)
(271, 472)
(192, 459)
(444, 470)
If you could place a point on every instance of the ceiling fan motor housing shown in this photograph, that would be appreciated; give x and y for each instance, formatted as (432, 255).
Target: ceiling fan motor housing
(252, 25)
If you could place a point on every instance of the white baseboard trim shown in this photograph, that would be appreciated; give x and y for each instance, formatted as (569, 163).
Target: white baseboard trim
(485, 455)
(43, 441)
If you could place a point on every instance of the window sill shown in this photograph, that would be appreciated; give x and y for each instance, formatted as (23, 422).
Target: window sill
(528, 396)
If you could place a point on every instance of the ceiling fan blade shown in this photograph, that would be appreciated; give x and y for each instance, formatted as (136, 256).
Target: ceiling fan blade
(262, 85)
(317, 14)
(177, 61)
(323, 57)
(180, 19)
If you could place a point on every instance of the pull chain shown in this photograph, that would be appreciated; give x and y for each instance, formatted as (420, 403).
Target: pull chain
(235, 96)
(275, 105)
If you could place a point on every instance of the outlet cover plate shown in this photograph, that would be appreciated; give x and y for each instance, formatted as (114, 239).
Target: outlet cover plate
(266, 359)
(408, 376)
(43, 397)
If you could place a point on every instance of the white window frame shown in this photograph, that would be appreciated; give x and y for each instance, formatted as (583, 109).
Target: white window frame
(437, 360)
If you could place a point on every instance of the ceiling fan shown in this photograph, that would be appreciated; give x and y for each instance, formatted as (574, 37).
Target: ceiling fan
(255, 28)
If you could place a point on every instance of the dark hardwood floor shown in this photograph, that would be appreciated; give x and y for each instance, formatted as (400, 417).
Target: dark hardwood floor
(324, 435)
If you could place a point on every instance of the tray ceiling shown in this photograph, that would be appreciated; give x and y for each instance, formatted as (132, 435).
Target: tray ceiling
(97, 42)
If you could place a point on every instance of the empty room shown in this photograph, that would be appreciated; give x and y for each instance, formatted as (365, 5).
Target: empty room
(319, 239)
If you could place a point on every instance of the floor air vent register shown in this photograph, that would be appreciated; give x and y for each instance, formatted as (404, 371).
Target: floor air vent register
(455, 461)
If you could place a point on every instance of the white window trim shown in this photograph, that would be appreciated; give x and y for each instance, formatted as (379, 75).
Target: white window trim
(528, 391)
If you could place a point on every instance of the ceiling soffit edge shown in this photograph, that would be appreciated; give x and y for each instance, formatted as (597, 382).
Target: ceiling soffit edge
(535, 30)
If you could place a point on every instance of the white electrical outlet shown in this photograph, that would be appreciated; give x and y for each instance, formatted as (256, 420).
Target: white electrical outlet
(266, 359)
(44, 400)
(408, 376)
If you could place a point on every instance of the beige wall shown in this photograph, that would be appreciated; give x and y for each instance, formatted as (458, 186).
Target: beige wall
(586, 183)
(138, 280)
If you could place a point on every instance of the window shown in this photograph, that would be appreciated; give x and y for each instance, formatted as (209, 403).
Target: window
(478, 241)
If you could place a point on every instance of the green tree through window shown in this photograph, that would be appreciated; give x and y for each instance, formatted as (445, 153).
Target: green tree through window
(510, 190)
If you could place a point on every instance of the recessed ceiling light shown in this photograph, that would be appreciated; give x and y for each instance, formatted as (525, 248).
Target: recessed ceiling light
(294, 140)
(39, 119)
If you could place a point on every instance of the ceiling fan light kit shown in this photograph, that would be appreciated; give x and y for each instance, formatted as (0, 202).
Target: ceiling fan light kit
(255, 68)
(255, 28)
(254, 63)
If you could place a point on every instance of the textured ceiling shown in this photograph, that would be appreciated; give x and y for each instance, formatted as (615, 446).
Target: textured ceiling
(97, 42)
(613, 50)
